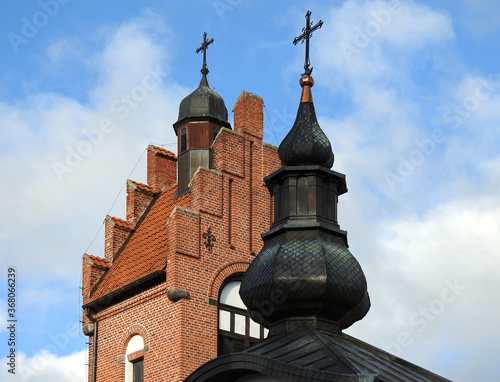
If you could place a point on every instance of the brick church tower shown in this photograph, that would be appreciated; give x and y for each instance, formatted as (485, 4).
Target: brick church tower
(164, 300)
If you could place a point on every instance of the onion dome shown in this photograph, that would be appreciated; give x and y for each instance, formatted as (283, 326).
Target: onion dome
(306, 143)
(203, 103)
(305, 273)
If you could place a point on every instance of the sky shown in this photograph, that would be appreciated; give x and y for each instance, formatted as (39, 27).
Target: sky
(408, 93)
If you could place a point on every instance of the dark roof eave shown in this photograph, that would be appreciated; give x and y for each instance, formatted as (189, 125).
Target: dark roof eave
(229, 367)
(202, 118)
(126, 291)
(286, 357)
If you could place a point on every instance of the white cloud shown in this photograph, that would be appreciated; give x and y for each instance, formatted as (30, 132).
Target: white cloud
(359, 36)
(130, 49)
(61, 155)
(428, 246)
(432, 279)
(414, 26)
(376, 74)
(45, 366)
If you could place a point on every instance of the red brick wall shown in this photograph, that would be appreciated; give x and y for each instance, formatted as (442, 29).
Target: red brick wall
(207, 188)
(180, 222)
(162, 168)
(231, 160)
(249, 114)
(116, 231)
(232, 201)
(138, 200)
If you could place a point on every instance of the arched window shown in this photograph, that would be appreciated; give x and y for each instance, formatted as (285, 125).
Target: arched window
(236, 329)
(134, 360)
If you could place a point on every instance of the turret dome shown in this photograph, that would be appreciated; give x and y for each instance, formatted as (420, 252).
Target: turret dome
(203, 103)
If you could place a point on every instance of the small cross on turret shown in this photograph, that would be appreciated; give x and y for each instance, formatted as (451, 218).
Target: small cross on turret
(204, 47)
(307, 32)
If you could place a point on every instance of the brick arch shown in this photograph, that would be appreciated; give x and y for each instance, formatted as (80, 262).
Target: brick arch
(222, 274)
(133, 330)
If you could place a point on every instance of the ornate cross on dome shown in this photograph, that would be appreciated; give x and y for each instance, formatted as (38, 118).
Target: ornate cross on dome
(307, 32)
(204, 47)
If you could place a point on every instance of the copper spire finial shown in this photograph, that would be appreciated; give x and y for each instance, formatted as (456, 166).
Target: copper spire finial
(307, 83)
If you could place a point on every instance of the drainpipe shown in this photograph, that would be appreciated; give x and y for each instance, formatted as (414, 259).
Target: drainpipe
(94, 347)
(94, 354)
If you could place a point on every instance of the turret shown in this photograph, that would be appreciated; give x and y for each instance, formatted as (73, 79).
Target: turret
(201, 115)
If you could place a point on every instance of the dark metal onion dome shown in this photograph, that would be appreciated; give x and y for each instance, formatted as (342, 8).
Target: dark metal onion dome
(306, 143)
(305, 273)
(203, 103)
(305, 285)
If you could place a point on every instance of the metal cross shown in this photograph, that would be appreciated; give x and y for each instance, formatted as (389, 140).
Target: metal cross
(307, 32)
(203, 48)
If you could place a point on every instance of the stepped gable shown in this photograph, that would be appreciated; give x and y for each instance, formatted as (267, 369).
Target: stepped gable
(144, 253)
(99, 261)
(190, 233)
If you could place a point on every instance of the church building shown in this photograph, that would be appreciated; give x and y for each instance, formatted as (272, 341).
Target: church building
(164, 300)
(231, 264)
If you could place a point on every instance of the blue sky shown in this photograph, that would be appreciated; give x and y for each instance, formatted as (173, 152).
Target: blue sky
(407, 91)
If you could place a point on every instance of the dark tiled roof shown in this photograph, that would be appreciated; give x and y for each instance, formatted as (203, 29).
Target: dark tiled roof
(99, 261)
(310, 355)
(145, 252)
